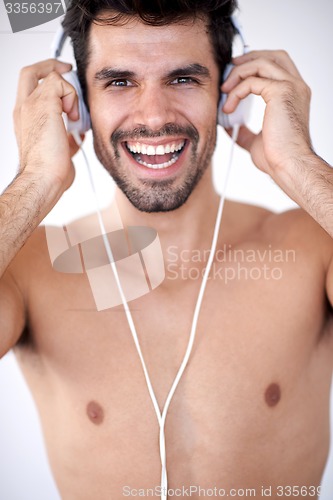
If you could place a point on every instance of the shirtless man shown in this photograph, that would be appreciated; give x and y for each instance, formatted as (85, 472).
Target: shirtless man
(252, 409)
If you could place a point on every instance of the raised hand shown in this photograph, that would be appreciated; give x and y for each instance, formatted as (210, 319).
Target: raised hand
(44, 147)
(285, 131)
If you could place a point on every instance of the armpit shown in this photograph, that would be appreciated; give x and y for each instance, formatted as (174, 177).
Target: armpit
(25, 340)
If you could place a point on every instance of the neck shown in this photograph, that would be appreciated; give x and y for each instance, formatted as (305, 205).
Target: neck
(189, 227)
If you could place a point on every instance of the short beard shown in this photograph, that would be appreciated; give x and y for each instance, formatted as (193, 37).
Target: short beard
(156, 196)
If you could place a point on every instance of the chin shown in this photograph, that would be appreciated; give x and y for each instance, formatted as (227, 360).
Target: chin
(157, 197)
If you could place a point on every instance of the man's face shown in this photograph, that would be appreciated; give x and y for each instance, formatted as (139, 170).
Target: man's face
(153, 94)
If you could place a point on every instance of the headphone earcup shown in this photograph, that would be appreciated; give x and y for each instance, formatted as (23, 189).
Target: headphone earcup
(83, 124)
(240, 115)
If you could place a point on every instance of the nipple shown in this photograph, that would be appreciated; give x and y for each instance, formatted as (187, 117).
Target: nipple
(95, 412)
(272, 394)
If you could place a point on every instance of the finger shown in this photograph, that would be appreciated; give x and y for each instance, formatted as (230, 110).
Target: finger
(28, 83)
(70, 106)
(30, 76)
(281, 57)
(260, 67)
(253, 85)
(55, 92)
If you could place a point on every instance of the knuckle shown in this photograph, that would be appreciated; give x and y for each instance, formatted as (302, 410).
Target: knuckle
(252, 80)
(54, 79)
(25, 71)
(260, 59)
(49, 83)
(53, 76)
(282, 53)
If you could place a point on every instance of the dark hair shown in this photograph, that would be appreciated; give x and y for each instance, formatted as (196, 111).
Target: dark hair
(81, 13)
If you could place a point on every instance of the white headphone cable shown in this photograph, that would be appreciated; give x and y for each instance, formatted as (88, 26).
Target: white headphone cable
(162, 417)
(129, 317)
(197, 307)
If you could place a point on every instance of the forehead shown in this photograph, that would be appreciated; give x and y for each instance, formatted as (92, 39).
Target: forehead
(136, 41)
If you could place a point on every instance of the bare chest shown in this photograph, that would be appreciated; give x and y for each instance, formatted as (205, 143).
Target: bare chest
(257, 380)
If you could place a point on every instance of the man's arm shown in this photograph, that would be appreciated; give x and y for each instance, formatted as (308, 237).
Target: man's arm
(23, 205)
(45, 172)
(283, 148)
(309, 182)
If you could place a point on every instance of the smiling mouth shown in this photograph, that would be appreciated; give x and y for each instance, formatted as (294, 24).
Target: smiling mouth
(156, 157)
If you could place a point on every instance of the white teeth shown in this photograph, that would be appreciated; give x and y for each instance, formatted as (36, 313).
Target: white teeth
(160, 150)
(158, 166)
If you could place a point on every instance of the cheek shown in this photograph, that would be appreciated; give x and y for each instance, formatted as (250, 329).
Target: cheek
(106, 115)
(201, 108)
(204, 118)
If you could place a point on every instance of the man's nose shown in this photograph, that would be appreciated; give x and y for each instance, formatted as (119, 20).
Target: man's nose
(154, 108)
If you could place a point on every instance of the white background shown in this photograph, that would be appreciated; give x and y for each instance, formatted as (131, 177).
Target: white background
(304, 30)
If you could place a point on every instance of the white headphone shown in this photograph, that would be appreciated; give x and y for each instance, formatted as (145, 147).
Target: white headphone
(83, 124)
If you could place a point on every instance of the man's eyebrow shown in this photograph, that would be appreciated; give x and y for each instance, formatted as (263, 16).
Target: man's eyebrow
(112, 73)
(194, 69)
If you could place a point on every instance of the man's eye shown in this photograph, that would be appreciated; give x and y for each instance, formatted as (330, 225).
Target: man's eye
(119, 83)
(182, 80)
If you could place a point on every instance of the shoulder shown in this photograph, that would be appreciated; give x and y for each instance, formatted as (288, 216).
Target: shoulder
(35, 247)
(293, 228)
(30, 260)
(244, 220)
(297, 228)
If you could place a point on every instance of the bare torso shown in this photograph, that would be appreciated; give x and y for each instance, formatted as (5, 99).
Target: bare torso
(251, 410)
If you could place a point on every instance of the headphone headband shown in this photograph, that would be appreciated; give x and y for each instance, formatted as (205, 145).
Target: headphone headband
(58, 42)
